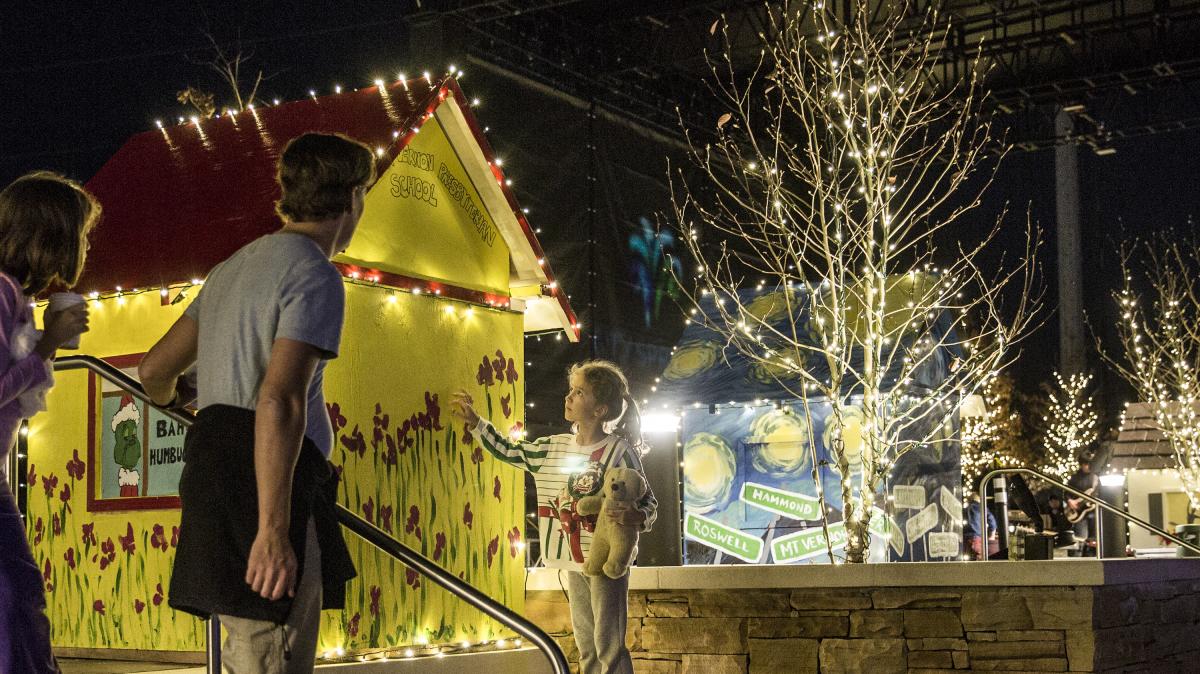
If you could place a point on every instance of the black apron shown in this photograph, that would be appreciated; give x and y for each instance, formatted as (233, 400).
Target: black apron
(219, 521)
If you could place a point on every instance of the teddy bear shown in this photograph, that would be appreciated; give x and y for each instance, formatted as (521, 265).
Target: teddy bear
(614, 545)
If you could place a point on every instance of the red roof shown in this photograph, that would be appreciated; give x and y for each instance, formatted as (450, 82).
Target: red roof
(180, 199)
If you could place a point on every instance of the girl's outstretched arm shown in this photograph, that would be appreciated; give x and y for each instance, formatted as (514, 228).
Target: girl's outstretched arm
(526, 455)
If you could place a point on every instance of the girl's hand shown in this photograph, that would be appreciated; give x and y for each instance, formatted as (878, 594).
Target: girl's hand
(460, 406)
(61, 327)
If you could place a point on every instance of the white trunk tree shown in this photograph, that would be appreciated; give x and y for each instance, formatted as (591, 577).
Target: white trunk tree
(839, 179)
(1160, 338)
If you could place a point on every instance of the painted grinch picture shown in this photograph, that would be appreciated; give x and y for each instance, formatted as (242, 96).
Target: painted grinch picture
(127, 446)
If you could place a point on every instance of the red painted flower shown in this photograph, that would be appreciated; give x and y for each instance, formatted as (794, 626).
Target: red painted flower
(158, 539)
(352, 627)
(467, 436)
(64, 495)
(49, 484)
(493, 548)
(48, 573)
(381, 422)
(376, 593)
(76, 467)
(98, 606)
(368, 509)
(127, 543)
(468, 516)
(390, 455)
(69, 556)
(510, 374)
(414, 516)
(412, 578)
(514, 537)
(403, 440)
(506, 405)
(32, 475)
(108, 552)
(484, 376)
(89, 533)
(56, 524)
(39, 528)
(439, 544)
(355, 443)
(496, 487)
(174, 537)
(336, 419)
(385, 518)
(434, 410)
(477, 455)
(139, 606)
(157, 599)
(499, 364)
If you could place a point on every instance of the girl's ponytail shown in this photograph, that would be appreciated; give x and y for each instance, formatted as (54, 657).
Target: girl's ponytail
(629, 426)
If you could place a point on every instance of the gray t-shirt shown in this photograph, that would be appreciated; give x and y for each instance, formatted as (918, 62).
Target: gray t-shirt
(280, 285)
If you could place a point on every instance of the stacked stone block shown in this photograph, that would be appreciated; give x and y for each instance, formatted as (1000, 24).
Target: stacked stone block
(1150, 627)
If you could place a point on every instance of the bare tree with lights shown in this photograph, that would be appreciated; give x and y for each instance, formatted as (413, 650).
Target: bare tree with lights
(839, 179)
(1160, 340)
(1071, 424)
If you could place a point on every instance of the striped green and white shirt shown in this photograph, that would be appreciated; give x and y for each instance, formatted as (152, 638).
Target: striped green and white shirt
(565, 538)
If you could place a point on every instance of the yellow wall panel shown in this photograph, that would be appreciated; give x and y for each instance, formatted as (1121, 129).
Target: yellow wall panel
(425, 218)
(432, 488)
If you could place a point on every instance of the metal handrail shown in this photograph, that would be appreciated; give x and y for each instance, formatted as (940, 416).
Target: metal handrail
(983, 526)
(369, 532)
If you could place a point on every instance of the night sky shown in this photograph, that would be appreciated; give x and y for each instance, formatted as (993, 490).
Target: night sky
(79, 78)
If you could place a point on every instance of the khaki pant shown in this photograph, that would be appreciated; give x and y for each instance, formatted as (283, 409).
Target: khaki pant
(264, 647)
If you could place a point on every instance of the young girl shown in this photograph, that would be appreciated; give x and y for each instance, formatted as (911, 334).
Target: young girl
(598, 399)
(44, 222)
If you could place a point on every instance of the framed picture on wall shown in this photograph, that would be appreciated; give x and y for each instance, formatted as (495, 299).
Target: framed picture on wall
(135, 452)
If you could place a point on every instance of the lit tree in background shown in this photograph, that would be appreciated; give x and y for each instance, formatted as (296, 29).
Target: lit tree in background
(838, 180)
(1071, 424)
(984, 438)
(1160, 339)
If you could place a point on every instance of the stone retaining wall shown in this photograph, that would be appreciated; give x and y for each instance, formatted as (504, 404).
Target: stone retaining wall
(1134, 627)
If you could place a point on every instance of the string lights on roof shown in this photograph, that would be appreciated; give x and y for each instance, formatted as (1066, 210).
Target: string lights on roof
(400, 138)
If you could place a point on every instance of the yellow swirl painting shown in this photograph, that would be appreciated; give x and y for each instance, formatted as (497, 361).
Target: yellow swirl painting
(708, 471)
(779, 444)
(692, 358)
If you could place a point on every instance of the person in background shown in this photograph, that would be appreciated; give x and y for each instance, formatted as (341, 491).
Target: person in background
(1082, 512)
(44, 223)
(972, 526)
(607, 433)
(259, 544)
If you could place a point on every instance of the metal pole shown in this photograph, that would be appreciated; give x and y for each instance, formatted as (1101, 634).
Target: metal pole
(1000, 496)
(1067, 235)
(212, 630)
(983, 532)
